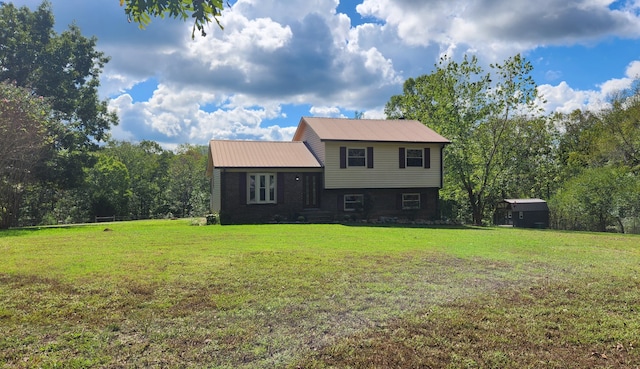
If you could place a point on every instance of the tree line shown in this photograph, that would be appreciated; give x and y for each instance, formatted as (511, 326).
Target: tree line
(585, 164)
(58, 163)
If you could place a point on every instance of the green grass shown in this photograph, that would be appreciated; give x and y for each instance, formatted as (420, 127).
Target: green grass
(168, 294)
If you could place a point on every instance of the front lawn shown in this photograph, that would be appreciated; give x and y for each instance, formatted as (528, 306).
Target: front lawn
(168, 294)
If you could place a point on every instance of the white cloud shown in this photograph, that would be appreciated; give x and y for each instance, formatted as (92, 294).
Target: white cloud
(326, 111)
(563, 99)
(633, 70)
(236, 82)
(615, 85)
(499, 29)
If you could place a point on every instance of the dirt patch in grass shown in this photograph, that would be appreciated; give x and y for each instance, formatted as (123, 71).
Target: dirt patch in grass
(577, 324)
(265, 319)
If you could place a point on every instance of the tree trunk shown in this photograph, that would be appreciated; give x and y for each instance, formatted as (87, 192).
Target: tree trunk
(620, 224)
(476, 207)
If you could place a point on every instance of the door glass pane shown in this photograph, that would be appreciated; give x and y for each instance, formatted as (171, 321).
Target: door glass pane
(252, 188)
(272, 188)
(263, 191)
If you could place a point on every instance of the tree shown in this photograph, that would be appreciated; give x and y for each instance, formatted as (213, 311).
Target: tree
(188, 185)
(533, 169)
(600, 156)
(64, 69)
(147, 164)
(578, 145)
(621, 128)
(108, 186)
(481, 113)
(596, 199)
(24, 122)
(202, 11)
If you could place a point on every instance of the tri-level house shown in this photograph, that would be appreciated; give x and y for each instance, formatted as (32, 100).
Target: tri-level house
(333, 169)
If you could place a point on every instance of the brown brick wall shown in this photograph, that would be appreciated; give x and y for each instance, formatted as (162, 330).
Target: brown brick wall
(384, 202)
(234, 207)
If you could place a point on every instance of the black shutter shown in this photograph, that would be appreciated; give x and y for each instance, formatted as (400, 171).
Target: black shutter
(401, 157)
(243, 188)
(340, 202)
(369, 157)
(427, 157)
(343, 157)
(280, 187)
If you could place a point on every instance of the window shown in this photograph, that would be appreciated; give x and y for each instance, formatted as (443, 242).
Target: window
(410, 201)
(261, 188)
(414, 158)
(353, 202)
(356, 157)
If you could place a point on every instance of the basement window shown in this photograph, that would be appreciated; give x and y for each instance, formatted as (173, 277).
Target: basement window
(410, 201)
(353, 202)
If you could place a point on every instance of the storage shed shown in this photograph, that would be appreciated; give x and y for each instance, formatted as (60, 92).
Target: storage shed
(524, 213)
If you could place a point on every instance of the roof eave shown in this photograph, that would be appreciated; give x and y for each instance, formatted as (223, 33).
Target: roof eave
(383, 141)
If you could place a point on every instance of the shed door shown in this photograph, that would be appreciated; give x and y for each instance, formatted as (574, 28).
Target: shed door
(311, 190)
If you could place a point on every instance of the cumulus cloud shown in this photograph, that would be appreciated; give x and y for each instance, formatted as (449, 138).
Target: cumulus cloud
(502, 28)
(564, 99)
(240, 82)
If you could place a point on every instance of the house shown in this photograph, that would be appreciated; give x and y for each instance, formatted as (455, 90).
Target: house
(526, 213)
(332, 169)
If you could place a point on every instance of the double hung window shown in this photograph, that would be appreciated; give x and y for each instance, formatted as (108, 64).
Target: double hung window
(414, 158)
(356, 157)
(261, 188)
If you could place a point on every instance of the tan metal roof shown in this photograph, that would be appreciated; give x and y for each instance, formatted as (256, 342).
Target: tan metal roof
(261, 154)
(381, 130)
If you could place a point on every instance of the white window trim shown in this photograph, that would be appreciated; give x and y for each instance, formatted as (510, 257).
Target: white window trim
(406, 158)
(405, 200)
(345, 202)
(364, 165)
(270, 196)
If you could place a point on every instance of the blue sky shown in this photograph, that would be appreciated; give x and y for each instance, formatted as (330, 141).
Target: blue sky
(276, 61)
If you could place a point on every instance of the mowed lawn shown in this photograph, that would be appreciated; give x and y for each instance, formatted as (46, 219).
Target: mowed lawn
(169, 294)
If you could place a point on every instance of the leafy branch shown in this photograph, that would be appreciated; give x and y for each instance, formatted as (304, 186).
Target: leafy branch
(202, 11)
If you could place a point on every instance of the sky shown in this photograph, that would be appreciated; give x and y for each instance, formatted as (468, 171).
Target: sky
(277, 61)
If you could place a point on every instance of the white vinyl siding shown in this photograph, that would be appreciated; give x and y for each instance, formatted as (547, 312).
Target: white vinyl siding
(386, 172)
(313, 142)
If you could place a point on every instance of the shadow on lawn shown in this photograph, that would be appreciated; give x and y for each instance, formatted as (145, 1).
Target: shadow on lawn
(404, 225)
(23, 231)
